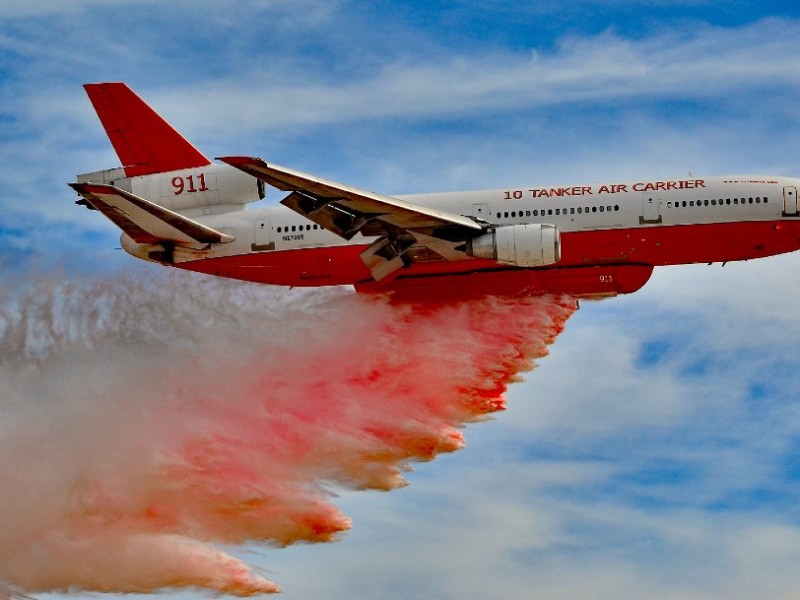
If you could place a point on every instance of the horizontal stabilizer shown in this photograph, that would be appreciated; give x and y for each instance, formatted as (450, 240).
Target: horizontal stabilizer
(144, 142)
(145, 222)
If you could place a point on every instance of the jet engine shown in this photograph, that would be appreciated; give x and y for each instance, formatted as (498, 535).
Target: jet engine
(531, 245)
(214, 188)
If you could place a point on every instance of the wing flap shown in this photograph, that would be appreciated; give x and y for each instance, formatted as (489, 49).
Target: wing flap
(334, 216)
(144, 221)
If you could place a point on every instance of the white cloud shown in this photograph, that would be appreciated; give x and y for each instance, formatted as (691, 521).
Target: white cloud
(505, 534)
(20, 9)
(567, 494)
(702, 64)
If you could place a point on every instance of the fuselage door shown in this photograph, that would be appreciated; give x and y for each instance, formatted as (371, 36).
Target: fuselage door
(790, 201)
(480, 211)
(263, 236)
(651, 207)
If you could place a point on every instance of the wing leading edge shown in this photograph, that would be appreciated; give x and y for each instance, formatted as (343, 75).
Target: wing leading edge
(406, 232)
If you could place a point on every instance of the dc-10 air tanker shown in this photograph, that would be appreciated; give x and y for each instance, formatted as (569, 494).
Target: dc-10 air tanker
(178, 208)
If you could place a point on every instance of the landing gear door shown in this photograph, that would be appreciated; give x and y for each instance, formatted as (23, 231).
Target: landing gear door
(790, 208)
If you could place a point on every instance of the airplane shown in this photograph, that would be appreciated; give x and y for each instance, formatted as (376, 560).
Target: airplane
(179, 208)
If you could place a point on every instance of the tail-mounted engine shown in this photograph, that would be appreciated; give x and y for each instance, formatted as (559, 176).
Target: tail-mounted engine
(213, 188)
(532, 245)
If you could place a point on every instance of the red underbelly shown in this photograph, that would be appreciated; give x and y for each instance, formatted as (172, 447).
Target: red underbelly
(640, 247)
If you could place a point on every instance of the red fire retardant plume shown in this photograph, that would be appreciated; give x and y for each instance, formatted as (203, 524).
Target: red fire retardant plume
(144, 422)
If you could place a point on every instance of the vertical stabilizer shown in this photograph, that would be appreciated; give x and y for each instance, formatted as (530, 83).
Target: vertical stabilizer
(144, 142)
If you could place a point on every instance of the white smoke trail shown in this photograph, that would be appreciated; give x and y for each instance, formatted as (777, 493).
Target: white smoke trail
(142, 421)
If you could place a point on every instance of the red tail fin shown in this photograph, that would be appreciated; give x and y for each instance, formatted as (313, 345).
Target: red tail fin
(144, 142)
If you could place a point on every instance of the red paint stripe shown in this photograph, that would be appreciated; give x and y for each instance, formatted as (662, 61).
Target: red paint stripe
(653, 246)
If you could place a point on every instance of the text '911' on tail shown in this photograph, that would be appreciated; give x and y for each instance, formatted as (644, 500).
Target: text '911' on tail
(158, 163)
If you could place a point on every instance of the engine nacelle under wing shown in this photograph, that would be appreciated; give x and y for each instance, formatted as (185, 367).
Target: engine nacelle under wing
(530, 245)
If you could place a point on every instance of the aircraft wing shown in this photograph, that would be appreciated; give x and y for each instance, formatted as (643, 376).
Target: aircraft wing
(346, 210)
(406, 232)
(144, 221)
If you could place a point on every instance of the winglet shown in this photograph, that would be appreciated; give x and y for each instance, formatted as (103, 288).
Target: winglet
(143, 140)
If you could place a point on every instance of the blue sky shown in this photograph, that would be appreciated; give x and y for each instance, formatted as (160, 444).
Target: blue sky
(656, 452)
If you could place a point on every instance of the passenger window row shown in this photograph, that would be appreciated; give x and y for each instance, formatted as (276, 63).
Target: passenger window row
(577, 210)
(294, 228)
(558, 211)
(718, 202)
